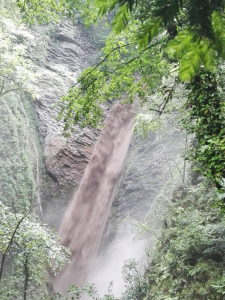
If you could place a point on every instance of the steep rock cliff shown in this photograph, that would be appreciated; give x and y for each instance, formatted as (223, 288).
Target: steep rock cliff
(39, 164)
(59, 62)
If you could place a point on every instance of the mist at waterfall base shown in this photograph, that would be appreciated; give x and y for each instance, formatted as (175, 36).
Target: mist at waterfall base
(83, 229)
(107, 272)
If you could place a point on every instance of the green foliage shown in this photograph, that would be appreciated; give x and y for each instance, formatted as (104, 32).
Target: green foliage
(123, 73)
(193, 53)
(42, 10)
(135, 285)
(88, 291)
(198, 45)
(121, 19)
(83, 104)
(52, 11)
(188, 262)
(148, 31)
(218, 23)
(144, 123)
(14, 69)
(206, 119)
(105, 6)
(34, 252)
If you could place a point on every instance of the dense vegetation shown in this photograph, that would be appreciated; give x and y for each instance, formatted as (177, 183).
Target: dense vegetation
(188, 262)
(184, 43)
(29, 251)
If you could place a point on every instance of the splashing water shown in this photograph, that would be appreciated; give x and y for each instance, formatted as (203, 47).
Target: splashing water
(84, 221)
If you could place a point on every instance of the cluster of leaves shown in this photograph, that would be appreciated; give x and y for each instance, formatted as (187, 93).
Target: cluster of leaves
(188, 262)
(29, 251)
(52, 11)
(123, 73)
(144, 123)
(205, 118)
(88, 291)
(201, 42)
(16, 71)
(34, 252)
(193, 51)
(41, 11)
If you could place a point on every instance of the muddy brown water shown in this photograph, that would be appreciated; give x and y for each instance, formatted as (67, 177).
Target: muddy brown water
(86, 216)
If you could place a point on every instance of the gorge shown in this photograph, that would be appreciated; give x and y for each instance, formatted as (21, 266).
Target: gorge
(112, 150)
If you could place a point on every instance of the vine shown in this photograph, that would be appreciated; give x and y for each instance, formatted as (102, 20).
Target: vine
(206, 119)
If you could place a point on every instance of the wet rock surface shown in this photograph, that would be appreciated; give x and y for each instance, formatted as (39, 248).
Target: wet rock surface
(59, 58)
(59, 53)
(66, 159)
(151, 166)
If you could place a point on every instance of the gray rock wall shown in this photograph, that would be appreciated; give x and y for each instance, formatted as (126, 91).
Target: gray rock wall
(152, 170)
(63, 57)
(152, 162)
(59, 58)
(38, 164)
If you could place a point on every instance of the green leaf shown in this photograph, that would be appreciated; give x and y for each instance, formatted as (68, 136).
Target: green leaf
(121, 18)
(192, 53)
(105, 6)
(150, 29)
(218, 24)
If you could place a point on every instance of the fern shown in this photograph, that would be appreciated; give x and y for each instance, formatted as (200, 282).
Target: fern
(121, 18)
(192, 53)
(218, 23)
(148, 31)
(105, 6)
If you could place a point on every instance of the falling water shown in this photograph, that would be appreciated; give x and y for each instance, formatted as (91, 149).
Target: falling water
(84, 221)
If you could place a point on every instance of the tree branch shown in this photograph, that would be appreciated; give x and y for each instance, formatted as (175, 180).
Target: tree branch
(26, 280)
(102, 61)
(112, 71)
(168, 97)
(2, 87)
(9, 91)
(10, 244)
(136, 57)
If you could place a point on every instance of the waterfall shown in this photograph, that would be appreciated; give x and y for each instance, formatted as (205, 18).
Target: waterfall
(85, 218)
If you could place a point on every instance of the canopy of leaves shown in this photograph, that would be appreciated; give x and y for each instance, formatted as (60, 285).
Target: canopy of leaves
(199, 44)
(34, 252)
(188, 261)
(124, 72)
(15, 71)
(205, 118)
(46, 11)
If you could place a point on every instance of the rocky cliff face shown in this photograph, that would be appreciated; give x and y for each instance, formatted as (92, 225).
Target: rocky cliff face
(152, 164)
(59, 62)
(59, 56)
(39, 164)
(153, 167)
